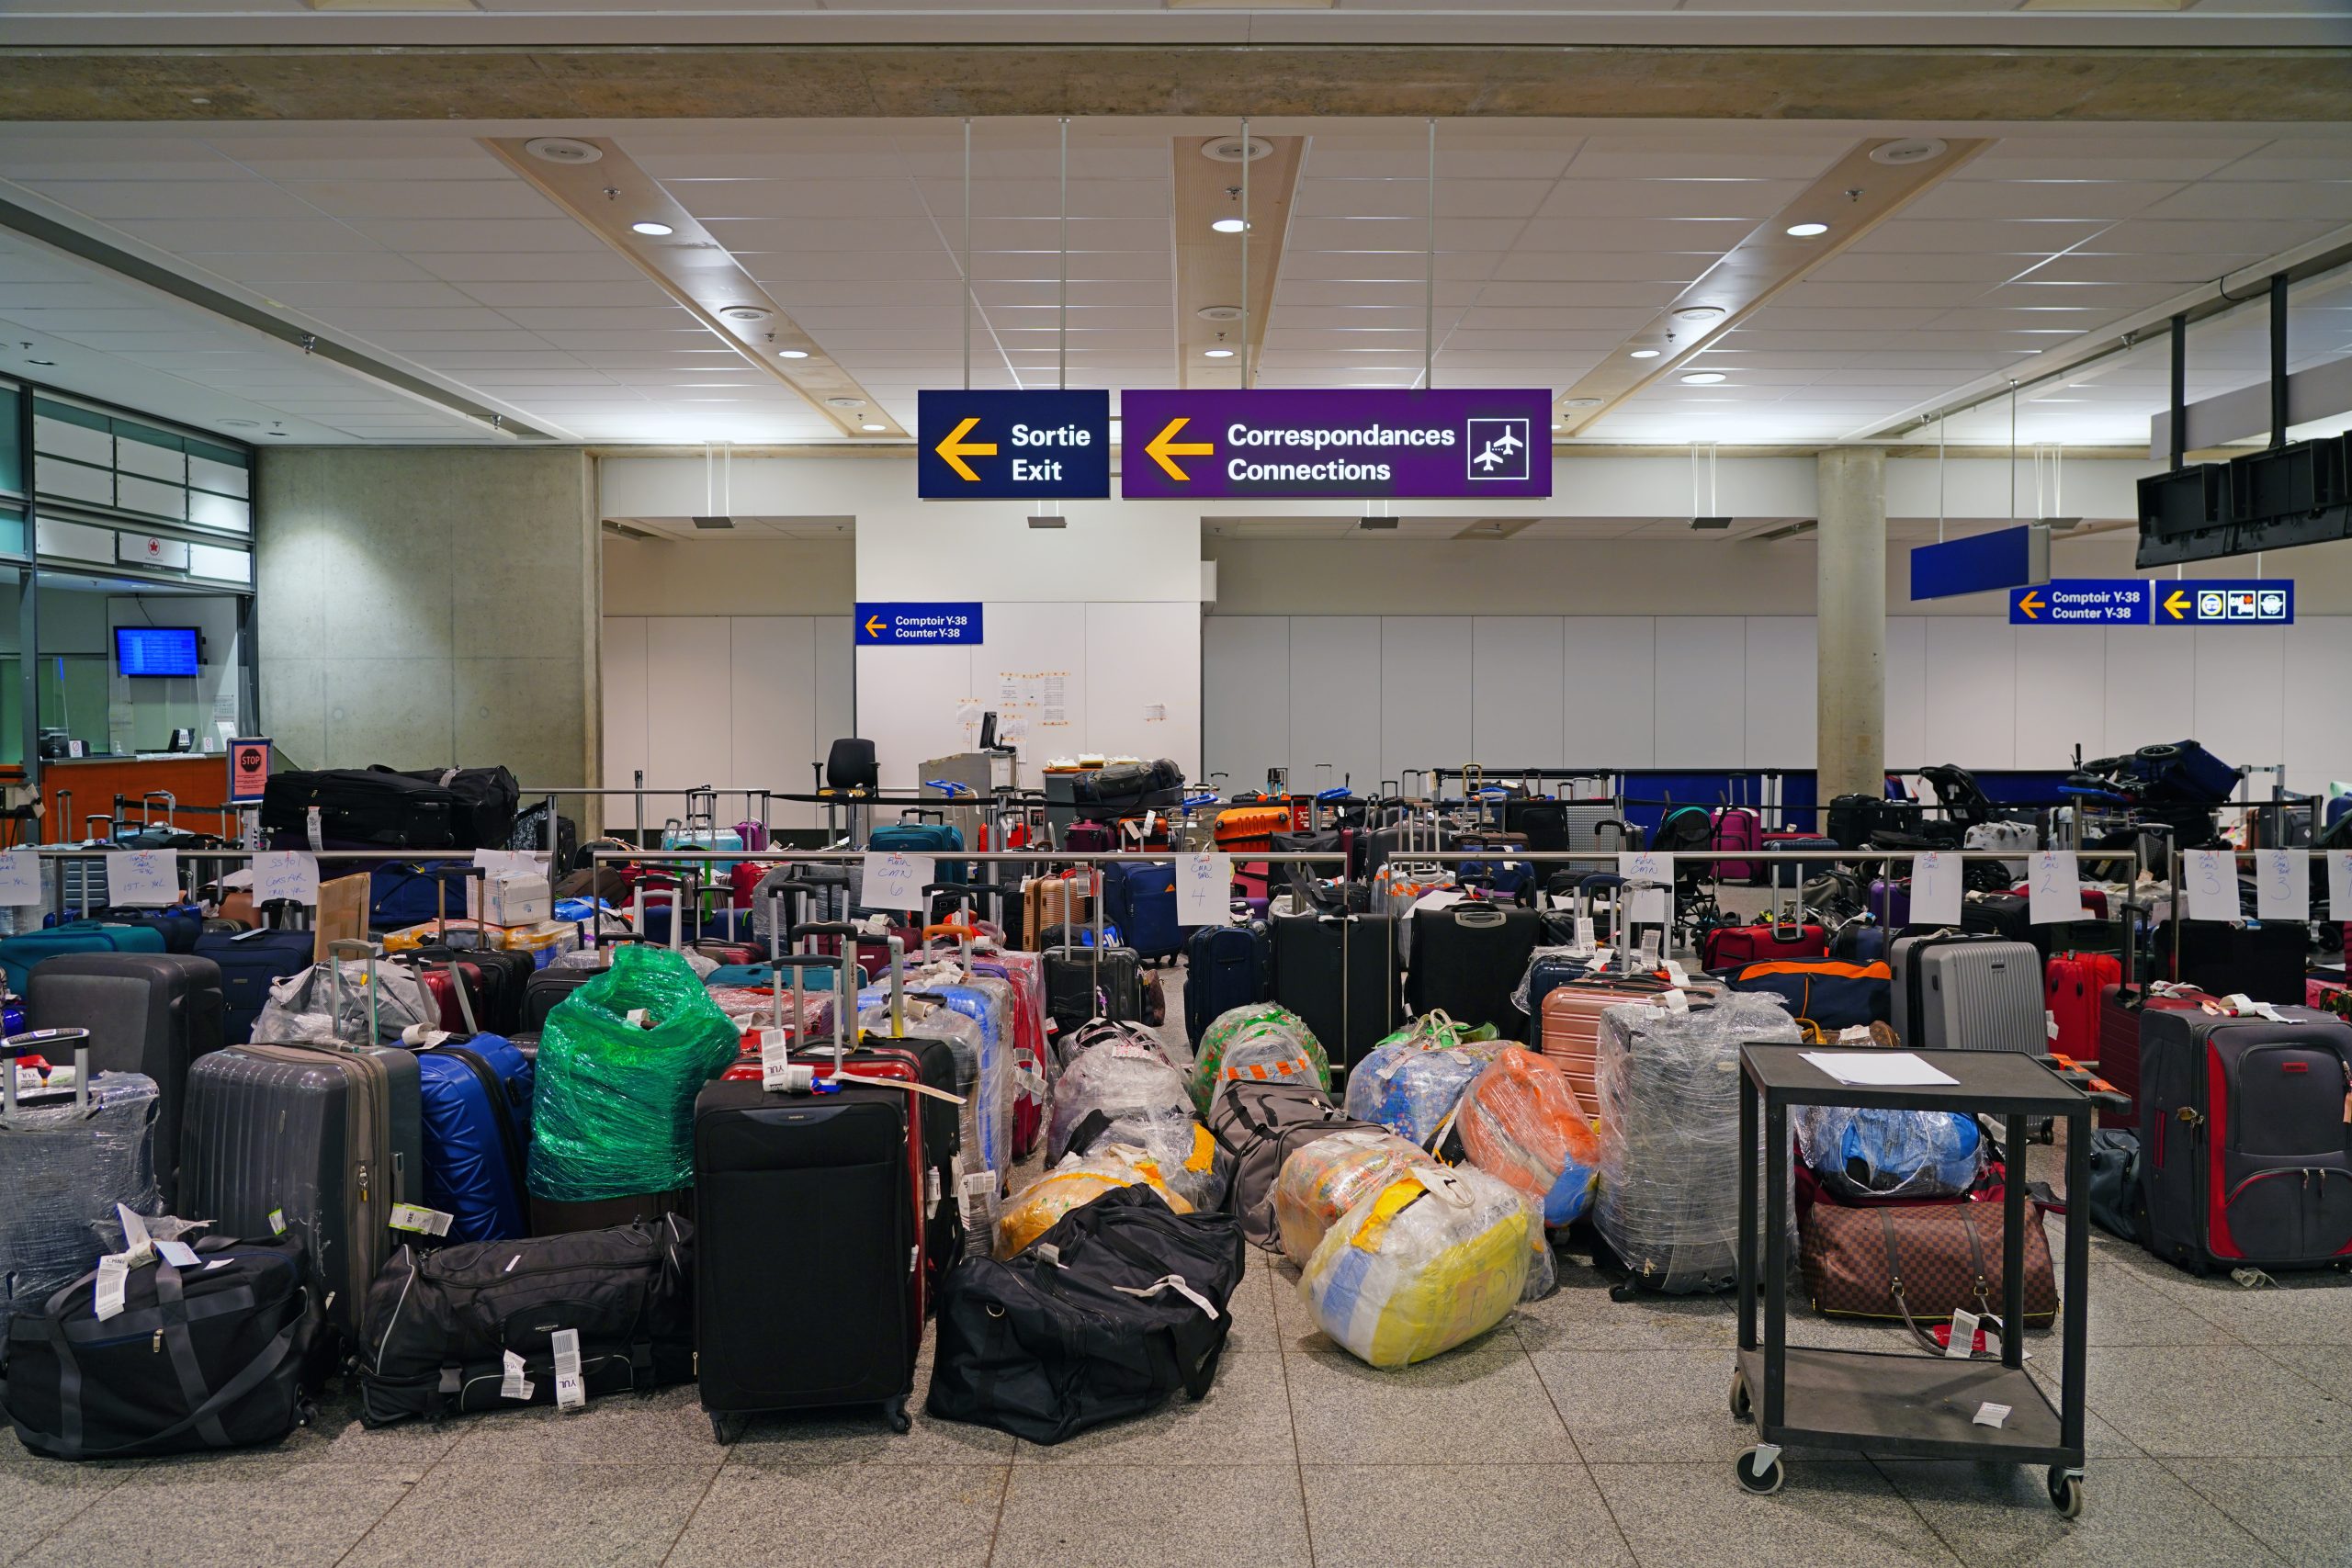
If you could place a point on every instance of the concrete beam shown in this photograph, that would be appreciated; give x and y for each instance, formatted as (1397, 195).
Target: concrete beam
(1812, 83)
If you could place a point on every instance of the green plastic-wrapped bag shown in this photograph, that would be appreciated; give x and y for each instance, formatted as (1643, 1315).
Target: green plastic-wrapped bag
(1264, 1041)
(614, 1110)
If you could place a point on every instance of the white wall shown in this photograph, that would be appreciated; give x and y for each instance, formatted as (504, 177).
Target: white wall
(721, 700)
(1374, 694)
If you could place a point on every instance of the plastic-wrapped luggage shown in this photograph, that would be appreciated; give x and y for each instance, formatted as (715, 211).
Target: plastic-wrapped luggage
(1326, 1178)
(620, 1061)
(1411, 1082)
(1266, 1043)
(67, 1157)
(1521, 1120)
(983, 1072)
(1113, 1080)
(1075, 1183)
(329, 1004)
(1669, 1083)
(1433, 1257)
(1070, 1045)
(1194, 1165)
(1870, 1153)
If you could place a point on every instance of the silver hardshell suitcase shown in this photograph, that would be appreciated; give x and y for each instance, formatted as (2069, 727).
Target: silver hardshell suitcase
(1968, 992)
(321, 1139)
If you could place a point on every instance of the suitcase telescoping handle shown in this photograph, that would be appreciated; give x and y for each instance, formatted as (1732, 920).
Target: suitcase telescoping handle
(39, 1042)
(366, 951)
(793, 963)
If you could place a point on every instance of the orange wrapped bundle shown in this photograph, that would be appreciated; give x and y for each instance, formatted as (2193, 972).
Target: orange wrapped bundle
(1326, 1177)
(1078, 1181)
(1521, 1120)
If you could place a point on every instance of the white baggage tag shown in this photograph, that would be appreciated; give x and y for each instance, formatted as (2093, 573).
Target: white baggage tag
(2212, 879)
(1963, 1343)
(514, 1385)
(417, 1217)
(1205, 890)
(570, 1393)
(1677, 1000)
(114, 1273)
(2056, 889)
(1936, 883)
(1675, 973)
(138, 1246)
(1587, 941)
(312, 825)
(292, 875)
(21, 879)
(2282, 885)
(895, 880)
(143, 876)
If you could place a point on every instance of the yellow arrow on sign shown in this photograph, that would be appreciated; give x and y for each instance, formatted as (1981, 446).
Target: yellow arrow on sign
(956, 449)
(2031, 605)
(2176, 603)
(873, 627)
(1164, 446)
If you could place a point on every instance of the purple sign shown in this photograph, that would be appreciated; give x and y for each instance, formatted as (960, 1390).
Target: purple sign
(1368, 443)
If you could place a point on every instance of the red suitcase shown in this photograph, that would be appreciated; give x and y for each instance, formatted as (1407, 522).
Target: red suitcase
(2118, 1038)
(1727, 947)
(2071, 987)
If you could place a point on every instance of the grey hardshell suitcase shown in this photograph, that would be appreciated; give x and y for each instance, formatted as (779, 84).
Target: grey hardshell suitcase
(1968, 992)
(319, 1141)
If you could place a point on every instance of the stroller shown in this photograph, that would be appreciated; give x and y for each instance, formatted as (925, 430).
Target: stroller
(1690, 830)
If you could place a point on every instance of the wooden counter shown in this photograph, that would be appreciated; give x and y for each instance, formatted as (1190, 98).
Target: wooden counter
(194, 779)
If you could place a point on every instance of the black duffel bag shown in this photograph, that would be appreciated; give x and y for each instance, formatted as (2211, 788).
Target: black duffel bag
(439, 1325)
(364, 808)
(200, 1358)
(1120, 1304)
(486, 802)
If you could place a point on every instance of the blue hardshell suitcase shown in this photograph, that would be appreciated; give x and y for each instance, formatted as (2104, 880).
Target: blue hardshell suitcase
(1141, 901)
(474, 1098)
(933, 838)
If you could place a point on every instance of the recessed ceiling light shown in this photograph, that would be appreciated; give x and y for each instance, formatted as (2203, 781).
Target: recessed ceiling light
(1912, 149)
(792, 354)
(1579, 402)
(1698, 313)
(41, 362)
(1807, 231)
(650, 228)
(846, 403)
(1220, 312)
(1703, 377)
(1234, 150)
(1642, 353)
(745, 312)
(240, 423)
(1230, 225)
(563, 149)
(869, 424)
(1217, 353)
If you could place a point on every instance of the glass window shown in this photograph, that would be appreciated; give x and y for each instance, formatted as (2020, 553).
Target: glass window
(83, 691)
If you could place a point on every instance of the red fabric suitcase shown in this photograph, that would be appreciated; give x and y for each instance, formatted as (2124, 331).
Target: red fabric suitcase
(2119, 1039)
(1727, 947)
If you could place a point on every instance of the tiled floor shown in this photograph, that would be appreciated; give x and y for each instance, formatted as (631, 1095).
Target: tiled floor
(1582, 1431)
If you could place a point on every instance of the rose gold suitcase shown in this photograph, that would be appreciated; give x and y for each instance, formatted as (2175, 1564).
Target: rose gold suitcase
(1571, 1024)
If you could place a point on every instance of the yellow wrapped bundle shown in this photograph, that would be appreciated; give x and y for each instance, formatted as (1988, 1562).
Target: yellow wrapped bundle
(1076, 1181)
(1330, 1176)
(1435, 1257)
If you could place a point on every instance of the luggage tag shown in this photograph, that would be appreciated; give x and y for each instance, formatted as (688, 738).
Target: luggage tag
(114, 1274)
(1677, 1000)
(1585, 937)
(570, 1393)
(416, 1217)
(138, 1246)
(1675, 973)
(278, 1222)
(514, 1385)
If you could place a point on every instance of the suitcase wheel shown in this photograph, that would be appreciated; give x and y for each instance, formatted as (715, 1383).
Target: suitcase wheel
(722, 1430)
(895, 1412)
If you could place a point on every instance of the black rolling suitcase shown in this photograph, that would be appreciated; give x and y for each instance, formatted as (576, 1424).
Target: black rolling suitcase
(1468, 960)
(1341, 974)
(146, 1012)
(1083, 984)
(851, 1177)
(2264, 960)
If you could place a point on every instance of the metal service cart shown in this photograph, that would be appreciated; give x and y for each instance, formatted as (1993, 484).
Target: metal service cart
(1909, 1405)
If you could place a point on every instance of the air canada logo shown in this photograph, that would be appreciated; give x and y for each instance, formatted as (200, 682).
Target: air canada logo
(1497, 449)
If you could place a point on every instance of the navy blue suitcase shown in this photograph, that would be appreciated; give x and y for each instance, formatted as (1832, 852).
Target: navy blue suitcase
(250, 961)
(1549, 971)
(1225, 968)
(474, 1098)
(1141, 901)
(409, 892)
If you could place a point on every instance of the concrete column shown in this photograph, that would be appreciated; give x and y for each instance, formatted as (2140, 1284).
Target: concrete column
(1851, 602)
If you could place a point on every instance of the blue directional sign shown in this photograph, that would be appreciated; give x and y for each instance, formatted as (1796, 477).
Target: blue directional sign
(917, 624)
(1013, 445)
(2007, 558)
(2225, 601)
(2083, 602)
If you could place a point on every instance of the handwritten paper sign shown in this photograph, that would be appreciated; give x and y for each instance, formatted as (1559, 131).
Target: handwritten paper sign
(895, 881)
(20, 878)
(285, 876)
(1649, 906)
(143, 876)
(2212, 877)
(2282, 885)
(1204, 890)
(1936, 885)
(2055, 888)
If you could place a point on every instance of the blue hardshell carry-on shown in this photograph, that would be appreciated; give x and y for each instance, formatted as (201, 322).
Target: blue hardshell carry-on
(933, 838)
(474, 1097)
(1141, 902)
